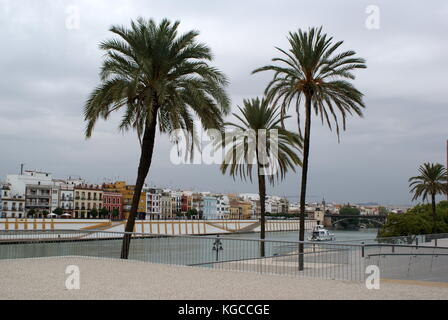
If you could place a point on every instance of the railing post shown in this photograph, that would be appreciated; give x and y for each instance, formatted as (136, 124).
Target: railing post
(416, 241)
(435, 242)
(362, 250)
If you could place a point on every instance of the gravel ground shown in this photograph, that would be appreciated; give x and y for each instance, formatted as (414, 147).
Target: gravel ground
(44, 278)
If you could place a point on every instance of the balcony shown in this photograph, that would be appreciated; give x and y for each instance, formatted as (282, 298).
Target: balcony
(36, 195)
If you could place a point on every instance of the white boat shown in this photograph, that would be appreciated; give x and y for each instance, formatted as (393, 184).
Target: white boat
(321, 234)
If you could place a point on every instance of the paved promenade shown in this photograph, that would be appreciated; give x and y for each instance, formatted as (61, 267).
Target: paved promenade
(44, 278)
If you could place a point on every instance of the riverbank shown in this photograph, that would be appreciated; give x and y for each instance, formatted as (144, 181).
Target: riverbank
(45, 278)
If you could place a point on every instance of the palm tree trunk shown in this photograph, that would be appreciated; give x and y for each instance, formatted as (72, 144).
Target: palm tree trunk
(147, 148)
(262, 194)
(306, 151)
(433, 205)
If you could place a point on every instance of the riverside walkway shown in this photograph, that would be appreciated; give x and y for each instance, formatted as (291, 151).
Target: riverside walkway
(44, 278)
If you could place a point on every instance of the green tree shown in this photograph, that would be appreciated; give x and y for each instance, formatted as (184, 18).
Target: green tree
(311, 72)
(104, 212)
(58, 211)
(256, 118)
(350, 211)
(93, 213)
(31, 213)
(115, 213)
(383, 211)
(405, 224)
(192, 212)
(431, 182)
(160, 79)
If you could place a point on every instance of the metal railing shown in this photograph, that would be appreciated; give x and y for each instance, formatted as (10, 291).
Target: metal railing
(326, 260)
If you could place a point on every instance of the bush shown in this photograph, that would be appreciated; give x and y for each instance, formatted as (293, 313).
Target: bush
(416, 221)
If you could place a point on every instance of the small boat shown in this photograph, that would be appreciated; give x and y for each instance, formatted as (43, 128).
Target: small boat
(321, 234)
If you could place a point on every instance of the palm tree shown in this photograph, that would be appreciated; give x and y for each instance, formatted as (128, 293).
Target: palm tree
(312, 72)
(260, 140)
(160, 79)
(431, 182)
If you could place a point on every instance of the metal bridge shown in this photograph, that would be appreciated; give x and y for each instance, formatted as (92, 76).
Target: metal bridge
(333, 219)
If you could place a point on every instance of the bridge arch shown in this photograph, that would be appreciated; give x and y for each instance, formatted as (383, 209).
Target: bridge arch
(380, 223)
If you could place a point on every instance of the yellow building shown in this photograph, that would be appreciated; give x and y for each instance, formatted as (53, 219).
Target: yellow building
(127, 191)
(239, 209)
(87, 198)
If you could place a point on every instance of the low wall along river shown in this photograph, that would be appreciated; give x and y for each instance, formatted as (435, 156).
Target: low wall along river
(163, 227)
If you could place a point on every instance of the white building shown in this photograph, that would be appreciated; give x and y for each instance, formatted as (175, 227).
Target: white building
(223, 205)
(67, 198)
(153, 206)
(176, 202)
(18, 182)
(12, 205)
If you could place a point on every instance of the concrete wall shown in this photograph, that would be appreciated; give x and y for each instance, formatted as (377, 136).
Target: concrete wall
(163, 227)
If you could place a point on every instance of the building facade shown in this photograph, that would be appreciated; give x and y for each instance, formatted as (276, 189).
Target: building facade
(67, 199)
(127, 191)
(38, 198)
(153, 209)
(87, 198)
(209, 207)
(11, 205)
(113, 202)
(222, 207)
(176, 202)
(166, 206)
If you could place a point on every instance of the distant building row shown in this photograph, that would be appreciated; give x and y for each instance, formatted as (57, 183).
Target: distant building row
(39, 193)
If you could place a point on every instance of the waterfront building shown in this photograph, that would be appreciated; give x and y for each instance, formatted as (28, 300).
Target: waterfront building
(113, 201)
(18, 182)
(176, 202)
(284, 206)
(166, 205)
(67, 198)
(209, 207)
(318, 215)
(38, 198)
(87, 198)
(12, 205)
(153, 209)
(239, 208)
(197, 202)
(254, 200)
(127, 192)
(186, 201)
(55, 198)
(222, 207)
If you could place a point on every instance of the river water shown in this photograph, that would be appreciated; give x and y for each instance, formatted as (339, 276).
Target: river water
(174, 250)
(341, 235)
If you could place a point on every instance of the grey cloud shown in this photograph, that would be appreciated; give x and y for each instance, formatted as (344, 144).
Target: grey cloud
(48, 72)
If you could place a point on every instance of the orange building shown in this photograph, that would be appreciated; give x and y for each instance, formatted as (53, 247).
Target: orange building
(127, 192)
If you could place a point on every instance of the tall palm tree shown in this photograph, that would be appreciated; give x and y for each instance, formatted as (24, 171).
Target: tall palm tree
(311, 72)
(431, 182)
(160, 79)
(260, 142)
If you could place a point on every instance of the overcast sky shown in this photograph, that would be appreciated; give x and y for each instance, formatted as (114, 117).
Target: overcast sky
(48, 70)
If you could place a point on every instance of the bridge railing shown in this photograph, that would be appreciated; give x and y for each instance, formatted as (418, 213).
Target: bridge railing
(326, 260)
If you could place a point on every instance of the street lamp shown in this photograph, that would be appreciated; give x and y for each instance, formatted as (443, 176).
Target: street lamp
(217, 246)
